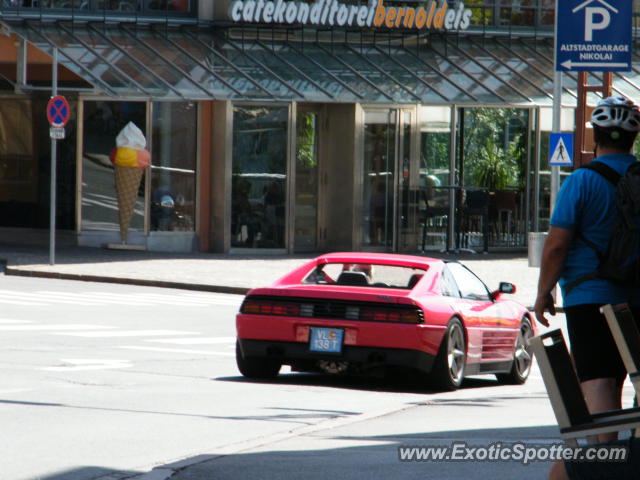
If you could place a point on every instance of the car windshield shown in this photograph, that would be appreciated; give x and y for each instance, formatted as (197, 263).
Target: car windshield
(365, 275)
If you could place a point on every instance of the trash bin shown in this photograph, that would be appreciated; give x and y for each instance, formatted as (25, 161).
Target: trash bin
(536, 244)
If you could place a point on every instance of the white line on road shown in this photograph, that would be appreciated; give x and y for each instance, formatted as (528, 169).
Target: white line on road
(52, 327)
(5, 321)
(195, 341)
(128, 333)
(26, 304)
(83, 364)
(179, 350)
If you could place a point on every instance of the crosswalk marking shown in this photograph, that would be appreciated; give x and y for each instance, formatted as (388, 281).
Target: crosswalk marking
(84, 364)
(195, 341)
(178, 350)
(93, 298)
(52, 327)
(43, 298)
(127, 333)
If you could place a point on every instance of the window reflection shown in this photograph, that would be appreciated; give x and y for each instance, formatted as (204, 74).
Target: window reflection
(259, 177)
(173, 166)
(178, 6)
(102, 123)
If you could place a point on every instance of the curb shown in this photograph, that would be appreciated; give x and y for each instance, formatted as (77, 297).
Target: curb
(123, 280)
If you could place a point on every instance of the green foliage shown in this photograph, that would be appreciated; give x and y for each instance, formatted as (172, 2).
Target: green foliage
(495, 147)
(306, 131)
(494, 168)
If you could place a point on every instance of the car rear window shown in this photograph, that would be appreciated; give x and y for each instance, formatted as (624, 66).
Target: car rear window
(365, 275)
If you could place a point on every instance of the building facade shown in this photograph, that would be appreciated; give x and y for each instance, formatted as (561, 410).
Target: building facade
(281, 126)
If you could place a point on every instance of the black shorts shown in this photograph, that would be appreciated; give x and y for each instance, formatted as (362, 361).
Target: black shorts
(593, 348)
(606, 470)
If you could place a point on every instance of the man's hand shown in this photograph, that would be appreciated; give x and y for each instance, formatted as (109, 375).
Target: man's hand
(544, 302)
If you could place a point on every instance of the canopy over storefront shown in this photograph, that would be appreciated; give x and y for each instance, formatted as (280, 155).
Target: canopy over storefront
(223, 62)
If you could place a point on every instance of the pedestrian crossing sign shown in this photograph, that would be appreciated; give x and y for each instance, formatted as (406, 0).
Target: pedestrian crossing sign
(561, 149)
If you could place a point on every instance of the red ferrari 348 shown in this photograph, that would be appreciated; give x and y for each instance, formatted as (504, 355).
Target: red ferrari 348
(364, 312)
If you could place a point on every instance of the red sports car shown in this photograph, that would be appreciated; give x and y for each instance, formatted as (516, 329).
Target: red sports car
(361, 312)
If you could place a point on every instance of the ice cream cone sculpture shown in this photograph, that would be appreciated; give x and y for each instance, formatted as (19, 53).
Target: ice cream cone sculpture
(130, 159)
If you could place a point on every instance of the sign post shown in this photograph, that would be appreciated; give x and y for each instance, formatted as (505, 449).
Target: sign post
(58, 111)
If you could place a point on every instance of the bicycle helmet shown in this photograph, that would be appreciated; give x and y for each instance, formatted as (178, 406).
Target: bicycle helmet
(618, 111)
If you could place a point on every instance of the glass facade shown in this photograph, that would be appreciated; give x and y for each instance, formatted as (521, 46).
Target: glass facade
(307, 182)
(435, 177)
(378, 178)
(102, 123)
(259, 176)
(173, 166)
(25, 166)
(101, 6)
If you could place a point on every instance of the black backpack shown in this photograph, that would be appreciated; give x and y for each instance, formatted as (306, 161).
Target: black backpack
(620, 263)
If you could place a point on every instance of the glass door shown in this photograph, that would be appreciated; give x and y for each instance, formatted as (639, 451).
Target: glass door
(407, 211)
(259, 176)
(378, 178)
(306, 181)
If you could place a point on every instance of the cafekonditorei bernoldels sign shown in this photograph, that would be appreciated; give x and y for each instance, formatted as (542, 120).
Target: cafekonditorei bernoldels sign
(335, 13)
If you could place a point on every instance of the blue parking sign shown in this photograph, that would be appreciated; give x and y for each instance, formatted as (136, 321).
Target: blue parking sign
(594, 35)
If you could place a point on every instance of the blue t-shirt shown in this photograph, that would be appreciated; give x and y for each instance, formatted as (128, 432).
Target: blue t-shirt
(587, 205)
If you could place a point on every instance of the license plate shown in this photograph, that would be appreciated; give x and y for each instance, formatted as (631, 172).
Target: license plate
(327, 340)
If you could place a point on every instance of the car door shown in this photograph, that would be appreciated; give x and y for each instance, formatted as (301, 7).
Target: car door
(490, 327)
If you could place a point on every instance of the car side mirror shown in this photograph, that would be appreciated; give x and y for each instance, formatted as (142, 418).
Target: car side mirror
(504, 287)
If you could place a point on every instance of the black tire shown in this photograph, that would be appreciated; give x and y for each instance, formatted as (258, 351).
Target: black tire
(448, 368)
(256, 367)
(522, 357)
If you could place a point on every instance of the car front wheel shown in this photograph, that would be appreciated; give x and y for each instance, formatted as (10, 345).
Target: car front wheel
(448, 368)
(522, 357)
(256, 367)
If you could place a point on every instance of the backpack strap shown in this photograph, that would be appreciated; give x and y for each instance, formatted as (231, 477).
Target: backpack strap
(614, 177)
(605, 170)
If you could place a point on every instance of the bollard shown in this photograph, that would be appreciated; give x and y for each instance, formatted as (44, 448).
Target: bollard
(536, 244)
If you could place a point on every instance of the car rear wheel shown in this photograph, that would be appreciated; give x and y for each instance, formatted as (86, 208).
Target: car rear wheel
(448, 368)
(256, 367)
(522, 357)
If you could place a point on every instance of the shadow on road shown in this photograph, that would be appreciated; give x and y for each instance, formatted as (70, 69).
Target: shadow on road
(396, 384)
(344, 454)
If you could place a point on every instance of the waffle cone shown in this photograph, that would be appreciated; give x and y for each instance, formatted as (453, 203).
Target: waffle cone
(127, 184)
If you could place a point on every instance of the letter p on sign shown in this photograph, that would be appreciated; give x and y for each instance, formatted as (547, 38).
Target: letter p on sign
(590, 23)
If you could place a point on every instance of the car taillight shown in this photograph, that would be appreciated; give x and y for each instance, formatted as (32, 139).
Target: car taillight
(391, 315)
(267, 307)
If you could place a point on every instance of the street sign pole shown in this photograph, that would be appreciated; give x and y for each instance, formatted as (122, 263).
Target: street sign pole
(54, 142)
(557, 115)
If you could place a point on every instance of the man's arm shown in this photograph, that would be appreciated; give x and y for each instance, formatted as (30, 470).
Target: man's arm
(554, 256)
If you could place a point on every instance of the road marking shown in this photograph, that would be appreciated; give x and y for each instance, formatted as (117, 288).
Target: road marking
(84, 364)
(104, 298)
(17, 302)
(178, 350)
(47, 297)
(195, 341)
(4, 321)
(52, 327)
(92, 298)
(128, 333)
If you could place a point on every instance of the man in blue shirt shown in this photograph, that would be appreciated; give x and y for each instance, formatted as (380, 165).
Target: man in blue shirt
(586, 209)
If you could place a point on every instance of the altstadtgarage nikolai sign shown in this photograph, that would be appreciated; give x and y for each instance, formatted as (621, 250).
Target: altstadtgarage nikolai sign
(593, 35)
(433, 15)
(58, 111)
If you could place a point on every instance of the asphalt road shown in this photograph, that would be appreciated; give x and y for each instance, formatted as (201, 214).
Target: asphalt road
(112, 381)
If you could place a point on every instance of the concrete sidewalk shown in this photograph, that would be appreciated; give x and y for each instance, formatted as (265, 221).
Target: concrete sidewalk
(223, 273)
